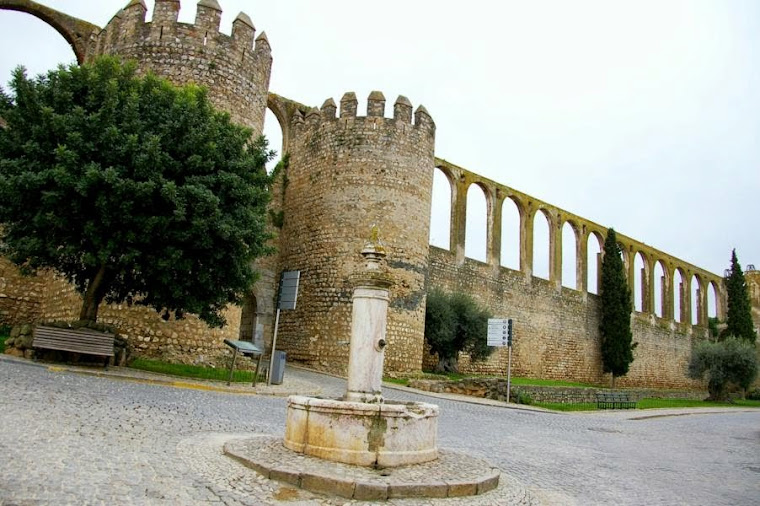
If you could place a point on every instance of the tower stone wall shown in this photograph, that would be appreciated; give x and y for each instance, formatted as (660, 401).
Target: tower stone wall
(234, 68)
(346, 174)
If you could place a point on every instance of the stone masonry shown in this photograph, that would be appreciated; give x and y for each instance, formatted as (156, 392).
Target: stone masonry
(348, 172)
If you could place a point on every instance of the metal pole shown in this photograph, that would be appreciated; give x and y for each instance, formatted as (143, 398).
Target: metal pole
(509, 373)
(232, 367)
(274, 347)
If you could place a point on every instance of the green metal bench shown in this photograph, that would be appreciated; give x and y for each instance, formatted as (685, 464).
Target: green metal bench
(614, 400)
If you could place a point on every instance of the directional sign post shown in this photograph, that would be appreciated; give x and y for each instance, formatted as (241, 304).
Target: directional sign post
(286, 299)
(500, 335)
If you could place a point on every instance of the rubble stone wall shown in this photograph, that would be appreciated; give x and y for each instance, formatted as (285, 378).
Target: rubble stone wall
(557, 331)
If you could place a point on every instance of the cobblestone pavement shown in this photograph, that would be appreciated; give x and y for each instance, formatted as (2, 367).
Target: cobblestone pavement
(67, 438)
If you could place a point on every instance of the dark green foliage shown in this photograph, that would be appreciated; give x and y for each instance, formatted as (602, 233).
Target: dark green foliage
(712, 325)
(132, 189)
(453, 323)
(615, 326)
(739, 313)
(729, 362)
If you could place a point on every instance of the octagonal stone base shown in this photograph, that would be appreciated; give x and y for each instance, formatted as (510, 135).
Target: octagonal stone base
(381, 435)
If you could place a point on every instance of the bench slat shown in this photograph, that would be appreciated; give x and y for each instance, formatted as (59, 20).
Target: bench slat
(74, 340)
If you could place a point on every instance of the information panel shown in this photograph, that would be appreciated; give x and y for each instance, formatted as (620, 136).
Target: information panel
(498, 332)
(288, 290)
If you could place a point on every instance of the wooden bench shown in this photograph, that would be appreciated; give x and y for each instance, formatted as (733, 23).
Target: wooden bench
(85, 341)
(614, 400)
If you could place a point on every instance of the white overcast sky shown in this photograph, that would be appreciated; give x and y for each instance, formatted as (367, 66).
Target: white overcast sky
(641, 115)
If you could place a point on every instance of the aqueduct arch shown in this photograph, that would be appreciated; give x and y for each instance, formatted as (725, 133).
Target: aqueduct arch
(78, 33)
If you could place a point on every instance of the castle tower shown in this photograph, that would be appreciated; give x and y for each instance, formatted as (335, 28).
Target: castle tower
(347, 174)
(235, 68)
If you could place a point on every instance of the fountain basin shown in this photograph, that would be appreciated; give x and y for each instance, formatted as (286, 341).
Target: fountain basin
(385, 434)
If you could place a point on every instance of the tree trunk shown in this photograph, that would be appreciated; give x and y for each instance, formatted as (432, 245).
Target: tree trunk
(446, 365)
(96, 290)
(612, 381)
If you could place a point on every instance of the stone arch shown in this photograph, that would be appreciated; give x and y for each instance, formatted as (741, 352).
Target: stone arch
(510, 232)
(441, 216)
(594, 259)
(660, 290)
(248, 317)
(78, 33)
(542, 241)
(477, 226)
(713, 301)
(640, 283)
(680, 292)
(571, 255)
(284, 110)
(696, 292)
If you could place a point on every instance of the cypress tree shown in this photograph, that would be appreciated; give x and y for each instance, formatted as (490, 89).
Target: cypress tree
(739, 314)
(615, 327)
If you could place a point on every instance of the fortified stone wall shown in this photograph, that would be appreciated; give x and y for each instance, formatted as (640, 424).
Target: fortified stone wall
(19, 295)
(557, 332)
(346, 174)
(185, 341)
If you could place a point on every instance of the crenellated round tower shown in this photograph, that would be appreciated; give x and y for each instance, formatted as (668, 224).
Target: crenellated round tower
(347, 173)
(235, 68)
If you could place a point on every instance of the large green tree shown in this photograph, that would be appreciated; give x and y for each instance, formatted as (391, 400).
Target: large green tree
(615, 327)
(455, 322)
(739, 313)
(133, 189)
(732, 362)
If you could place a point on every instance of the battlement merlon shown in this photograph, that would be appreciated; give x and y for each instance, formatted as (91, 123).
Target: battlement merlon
(402, 112)
(131, 23)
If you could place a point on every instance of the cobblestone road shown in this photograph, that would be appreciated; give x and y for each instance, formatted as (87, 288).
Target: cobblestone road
(72, 439)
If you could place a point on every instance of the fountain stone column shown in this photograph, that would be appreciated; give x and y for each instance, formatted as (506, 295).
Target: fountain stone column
(368, 323)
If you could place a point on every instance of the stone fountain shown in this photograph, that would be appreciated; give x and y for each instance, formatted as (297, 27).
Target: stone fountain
(361, 428)
(362, 446)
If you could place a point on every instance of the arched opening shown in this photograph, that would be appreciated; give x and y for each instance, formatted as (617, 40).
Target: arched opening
(541, 244)
(440, 211)
(678, 285)
(26, 32)
(638, 287)
(569, 257)
(273, 133)
(695, 294)
(248, 319)
(712, 300)
(594, 245)
(510, 234)
(477, 224)
(659, 288)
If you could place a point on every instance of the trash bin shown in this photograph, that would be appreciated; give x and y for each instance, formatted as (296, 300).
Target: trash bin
(278, 368)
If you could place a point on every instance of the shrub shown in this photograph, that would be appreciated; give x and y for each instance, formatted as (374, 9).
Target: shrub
(453, 323)
(754, 395)
(732, 362)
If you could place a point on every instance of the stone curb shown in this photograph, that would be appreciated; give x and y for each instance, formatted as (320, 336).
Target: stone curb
(267, 456)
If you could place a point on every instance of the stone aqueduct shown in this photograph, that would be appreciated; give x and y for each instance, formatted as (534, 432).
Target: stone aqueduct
(349, 161)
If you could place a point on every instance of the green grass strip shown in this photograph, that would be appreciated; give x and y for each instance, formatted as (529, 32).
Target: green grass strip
(191, 371)
(653, 404)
